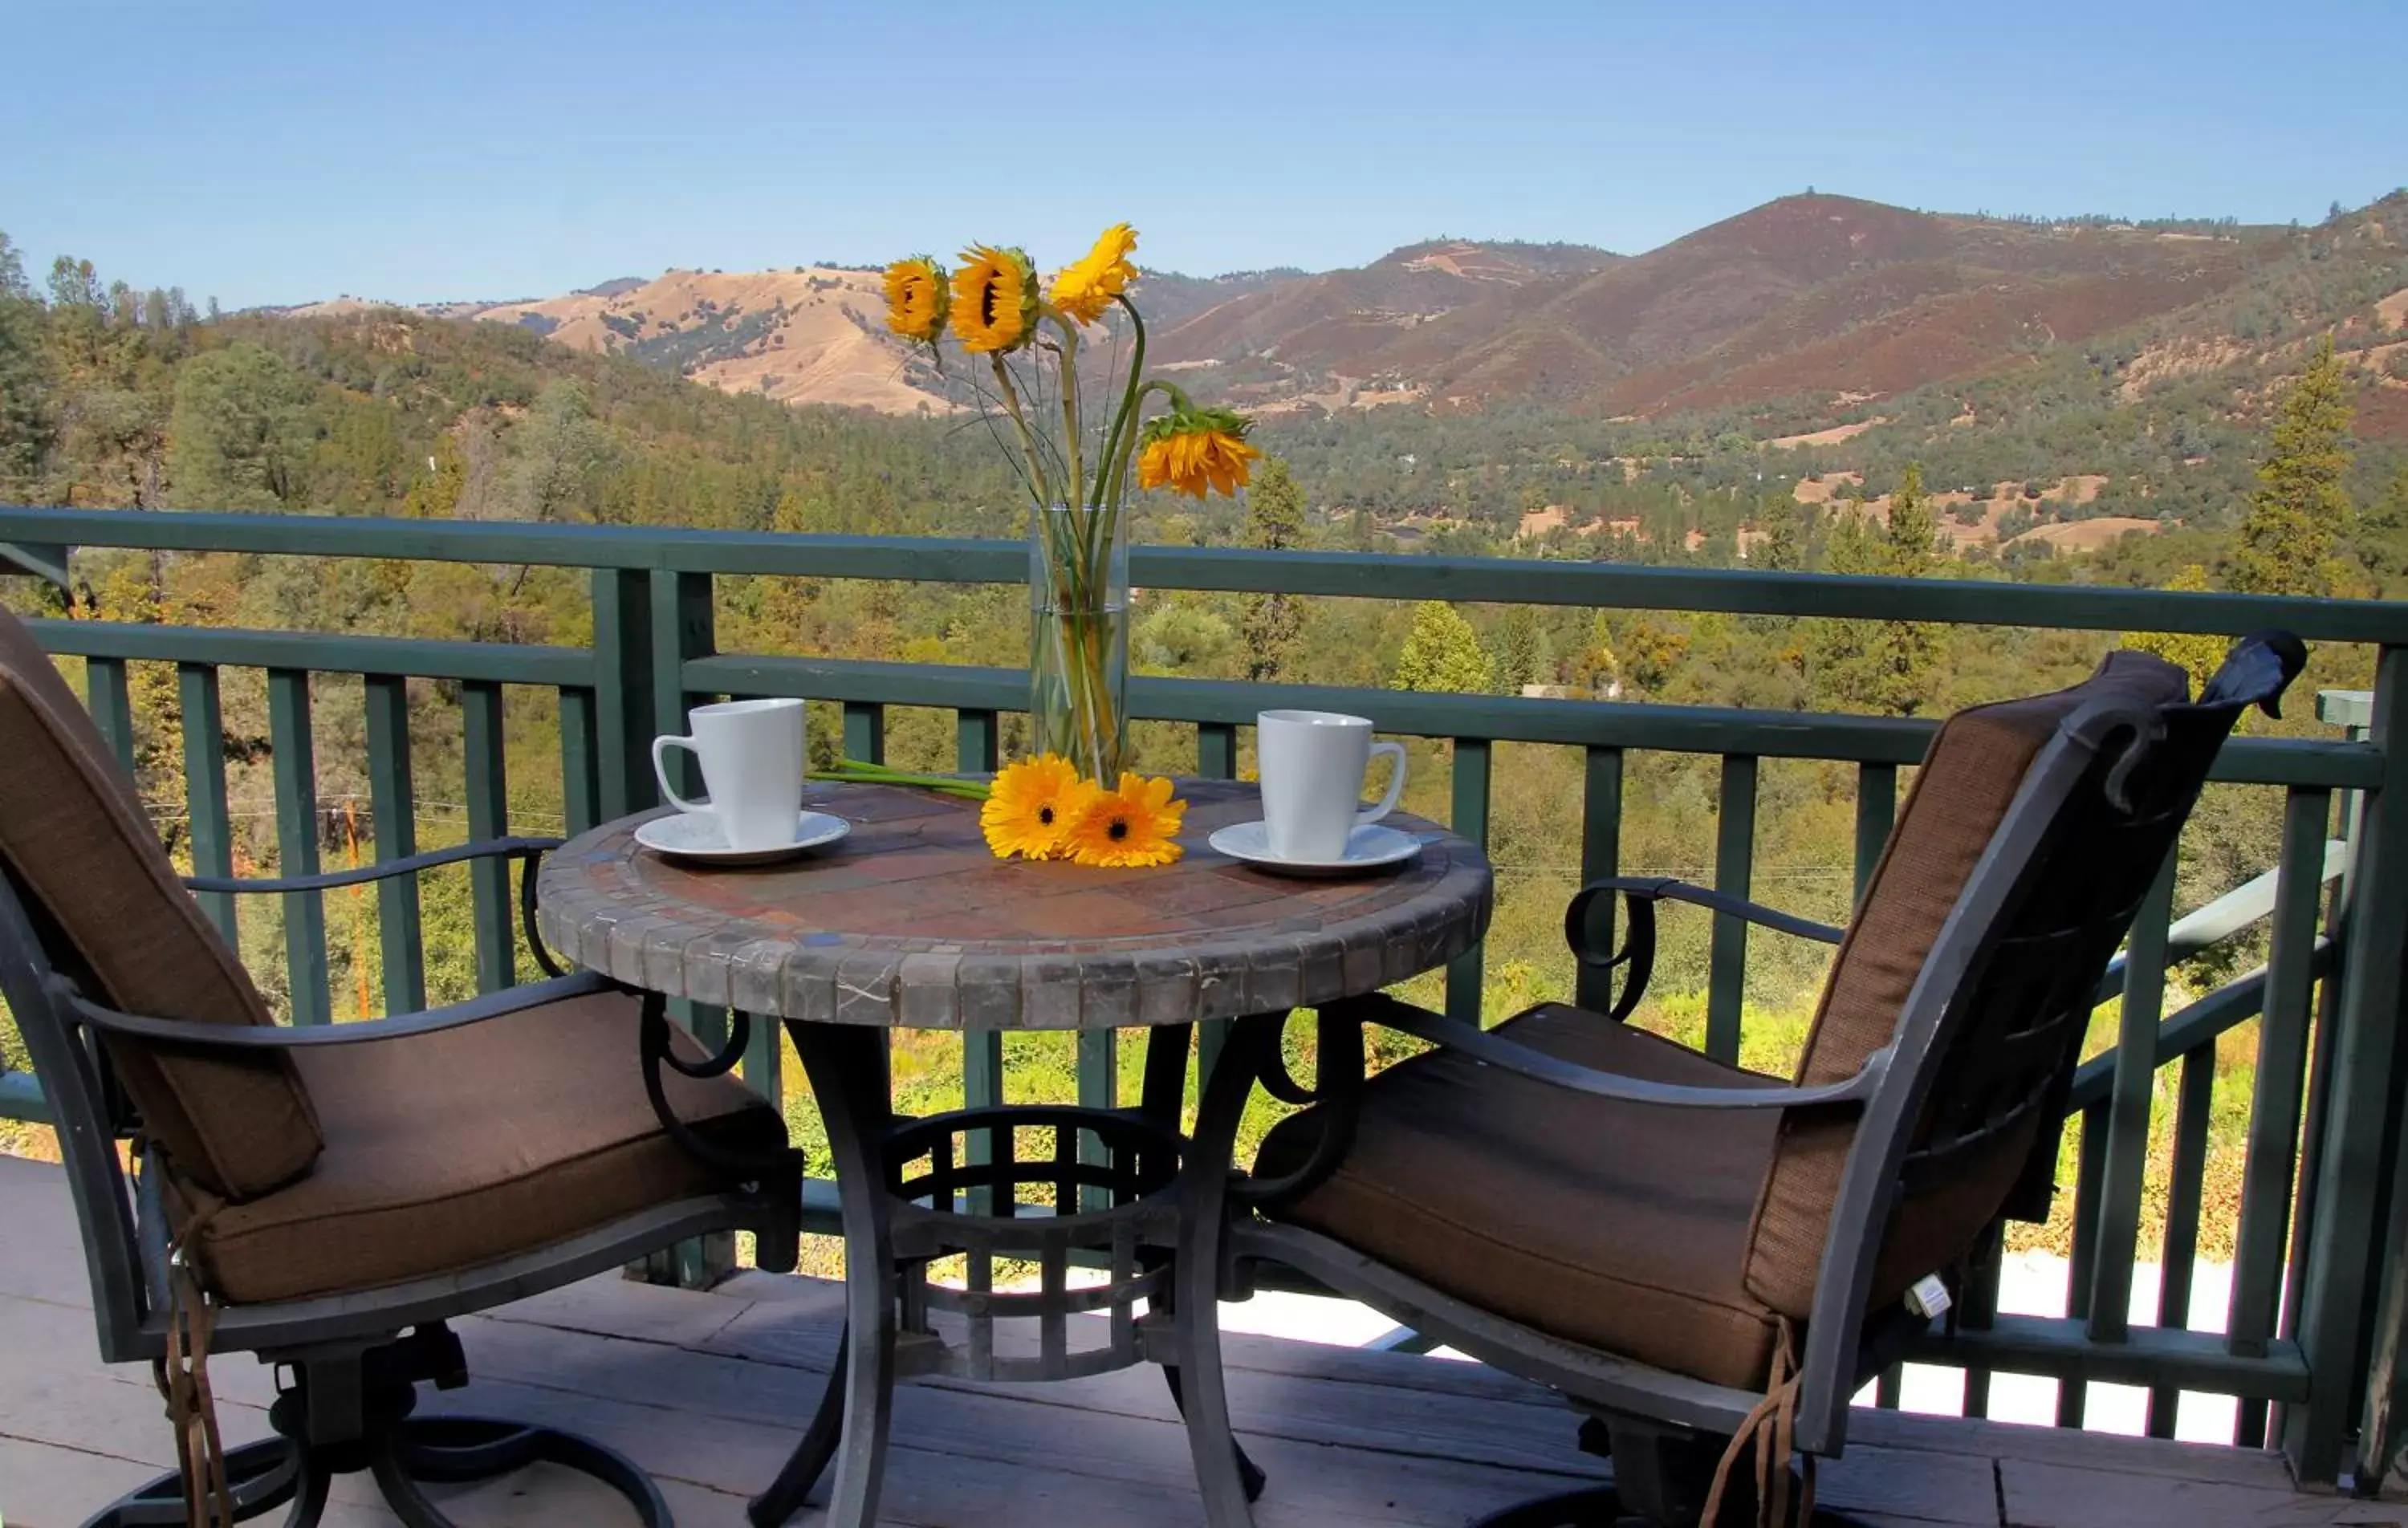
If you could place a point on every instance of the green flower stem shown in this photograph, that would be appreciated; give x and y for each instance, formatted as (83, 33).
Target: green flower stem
(1071, 406)
(861, 772)
(1020, 422)
(1115, 458)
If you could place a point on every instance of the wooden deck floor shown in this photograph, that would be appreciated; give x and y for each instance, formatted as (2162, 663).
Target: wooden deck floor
(706, 1391)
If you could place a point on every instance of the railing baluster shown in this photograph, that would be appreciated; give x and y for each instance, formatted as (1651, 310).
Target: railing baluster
(2347, 1274)
(487, 780)
(112, 703)
(764, 1057)
(296, 772)
(1876, 814)
(2269, 1168)
(2194, 1102)
(1216, 751)
(205, 791)
(978, 742)
(392, 811)
(1470, 819)
(1600, 857)
(865, 731)
(2073, 1394)
(581, 760)
(1734, 873)
(1980, 1309)
(622, 690)
(2127, 1165)
(681, 629)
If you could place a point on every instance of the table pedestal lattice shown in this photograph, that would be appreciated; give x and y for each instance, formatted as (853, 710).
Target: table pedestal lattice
(912, 923)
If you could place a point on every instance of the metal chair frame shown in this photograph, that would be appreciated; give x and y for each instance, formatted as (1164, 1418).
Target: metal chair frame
(353, 1371)
(2104, 747)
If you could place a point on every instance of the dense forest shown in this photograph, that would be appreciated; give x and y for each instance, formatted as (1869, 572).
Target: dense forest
(117, 398)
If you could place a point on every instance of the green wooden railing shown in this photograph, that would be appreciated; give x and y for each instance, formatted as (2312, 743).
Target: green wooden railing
(2311, 1289)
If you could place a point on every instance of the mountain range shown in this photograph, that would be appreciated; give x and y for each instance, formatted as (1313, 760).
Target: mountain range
(1814, 301)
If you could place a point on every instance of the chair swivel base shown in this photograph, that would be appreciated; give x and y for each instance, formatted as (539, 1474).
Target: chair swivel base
(352, 1412)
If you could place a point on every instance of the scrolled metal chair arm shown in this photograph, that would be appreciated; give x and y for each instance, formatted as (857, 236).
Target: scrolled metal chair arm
(656, 1047)
(1640, 895)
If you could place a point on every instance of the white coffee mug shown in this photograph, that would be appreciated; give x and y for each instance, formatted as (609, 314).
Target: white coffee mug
(751, 753)
(1312, 767)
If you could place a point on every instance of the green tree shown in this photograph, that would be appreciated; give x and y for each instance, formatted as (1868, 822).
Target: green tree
(1441, 652)
(1519, 650)
(2300, 509)
(1271, 624)
(2199, 656)
(24, 403)
(1784, 547)
(1887, 667)
(561, 451)
(2382, 538)
(237, 437)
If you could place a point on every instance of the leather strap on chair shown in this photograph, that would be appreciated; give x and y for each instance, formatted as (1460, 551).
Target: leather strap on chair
(184, 1374)
(1768, 1427)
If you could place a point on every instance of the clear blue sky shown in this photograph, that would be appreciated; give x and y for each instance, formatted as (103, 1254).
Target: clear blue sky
(428, 149)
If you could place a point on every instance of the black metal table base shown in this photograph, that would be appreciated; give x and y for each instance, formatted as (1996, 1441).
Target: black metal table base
(1038, 1183)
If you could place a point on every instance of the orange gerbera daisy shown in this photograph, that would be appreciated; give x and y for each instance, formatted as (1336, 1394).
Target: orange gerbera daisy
(1135, 823)
(1030, 808)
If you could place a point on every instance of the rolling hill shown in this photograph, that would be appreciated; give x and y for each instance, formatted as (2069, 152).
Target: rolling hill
(1802, 313)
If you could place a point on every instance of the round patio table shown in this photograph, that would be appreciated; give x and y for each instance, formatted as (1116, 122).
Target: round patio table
(910, 922)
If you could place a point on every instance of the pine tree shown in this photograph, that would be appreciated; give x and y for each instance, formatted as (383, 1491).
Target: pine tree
(1519, 653)
(2301, 511)
(1441, 653)
(2199, 656)
(1274, 522)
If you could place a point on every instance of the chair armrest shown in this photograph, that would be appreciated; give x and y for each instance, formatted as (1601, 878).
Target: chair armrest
(528, 851)
(511, 847)
(1497, 1050)
(260, 1038)
(1640, 893)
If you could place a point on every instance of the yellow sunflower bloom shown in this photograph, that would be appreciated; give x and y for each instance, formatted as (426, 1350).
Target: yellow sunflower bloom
(915, 298)
(1134, 824)
(995, 300)
(1085, 289)
(1031, 808)
(1194, 450)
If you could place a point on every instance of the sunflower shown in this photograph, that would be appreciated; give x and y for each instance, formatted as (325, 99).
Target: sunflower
(995, 300)
(1192, 449)
(1085, 289)
(915, 298)
(1132, 825)
(1030, 808)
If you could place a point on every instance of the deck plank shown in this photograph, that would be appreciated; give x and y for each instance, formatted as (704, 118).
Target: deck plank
(707, 1389)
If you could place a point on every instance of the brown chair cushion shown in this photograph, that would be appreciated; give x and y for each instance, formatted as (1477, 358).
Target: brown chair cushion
(1969, 779)
(1620, 1226)
(454, 1148)
(77, 844)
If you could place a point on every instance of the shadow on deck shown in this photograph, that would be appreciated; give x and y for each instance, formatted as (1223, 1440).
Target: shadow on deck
(707, 1392)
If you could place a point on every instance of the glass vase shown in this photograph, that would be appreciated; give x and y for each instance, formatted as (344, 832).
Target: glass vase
(1078, 639)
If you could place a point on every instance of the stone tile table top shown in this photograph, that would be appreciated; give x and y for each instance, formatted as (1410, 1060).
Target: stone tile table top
(911, 923)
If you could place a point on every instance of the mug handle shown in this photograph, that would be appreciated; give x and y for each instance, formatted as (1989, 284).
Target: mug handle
(1396, 784)
(660, 772)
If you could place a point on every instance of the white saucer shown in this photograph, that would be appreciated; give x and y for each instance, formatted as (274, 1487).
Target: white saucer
(1369, 848)
(697, 836)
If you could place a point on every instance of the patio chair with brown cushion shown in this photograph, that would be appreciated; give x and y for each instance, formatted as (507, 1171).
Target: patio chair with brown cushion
(1698, 1256)
(310, 1194)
